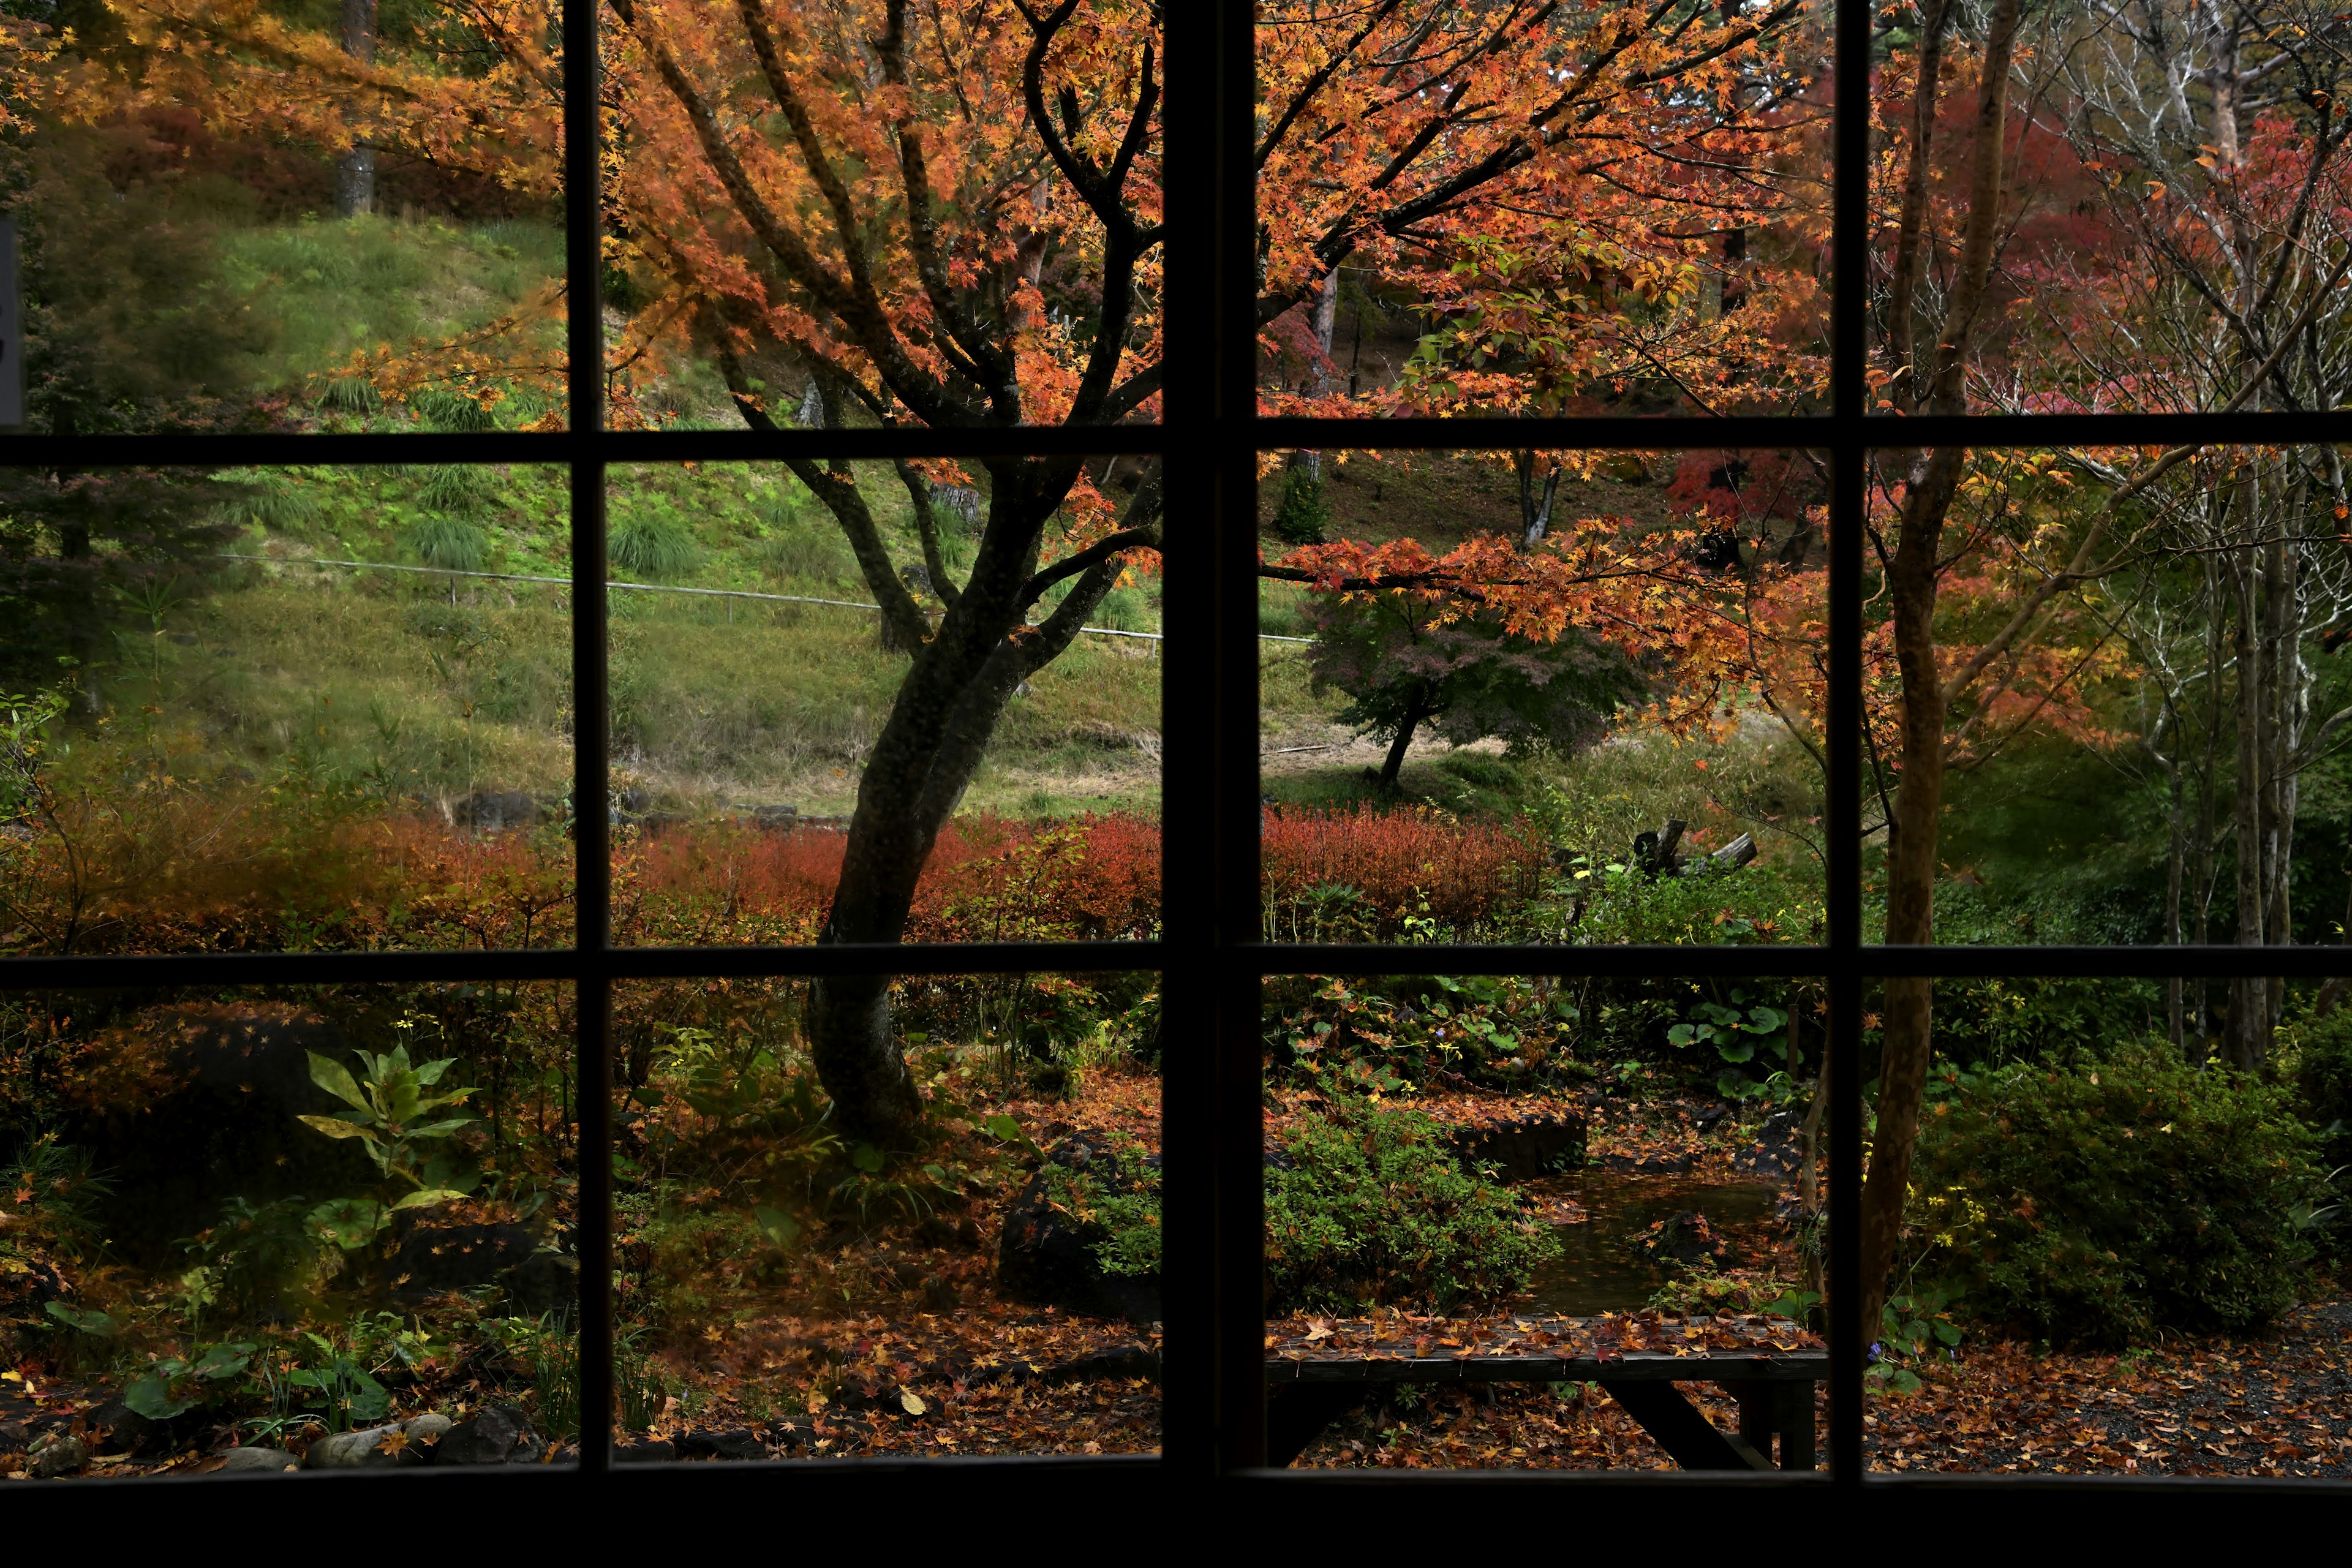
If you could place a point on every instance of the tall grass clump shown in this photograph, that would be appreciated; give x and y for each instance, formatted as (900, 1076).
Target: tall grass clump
(451, 543)
(654, 543)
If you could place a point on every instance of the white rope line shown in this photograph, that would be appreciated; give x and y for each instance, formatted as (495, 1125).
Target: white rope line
(648, 588)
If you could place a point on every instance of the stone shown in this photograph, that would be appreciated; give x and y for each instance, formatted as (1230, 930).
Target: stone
(1117, 1364)
(493, 811)
(359, 1450)
(1044, 1256)
(428, 1258)
(734, 1443)
(263, 1458)
(1686, 1238)
(644, 1451)
(494, 1435)
(940, 1296)
(62, 1455)
(775, 819)
(129, 1428)
(791, 1435)
(1525, 1148)
(543, 1283)
(14, 1436)
(1778, 1148)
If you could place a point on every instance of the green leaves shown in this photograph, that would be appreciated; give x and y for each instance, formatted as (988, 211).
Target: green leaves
(172, 1386)
(386, 1101)
(350, 1222)
(1005, 1130)
(781, 1229)
(88, 1320)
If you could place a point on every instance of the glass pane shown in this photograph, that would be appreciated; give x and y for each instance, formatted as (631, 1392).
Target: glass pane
(1499, 1208)
(2117, 1255)
(2140, 752)
(285, 709)
(811, 1265)
(234, 219)
(770, 726)
(1542, 696)
(2085, 266)
(925, 248)
(231, 1247)
(1579, 209)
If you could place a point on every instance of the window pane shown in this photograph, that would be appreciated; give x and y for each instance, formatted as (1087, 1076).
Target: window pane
(1596, 209)
(285, 708)
(230, 1248)
(1019, 281)
(250, 220)
(788, 1289)
(2136, 752)
(2089, 265)
(1491, 1200)
(2119, 1256)
(1542, 696)
(761, 702)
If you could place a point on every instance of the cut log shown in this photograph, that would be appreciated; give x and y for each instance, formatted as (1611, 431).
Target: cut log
(1736, 853)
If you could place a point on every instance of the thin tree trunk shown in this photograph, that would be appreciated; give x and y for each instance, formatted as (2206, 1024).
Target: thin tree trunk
(355, 170)
(1912, 585)
(1413, 714)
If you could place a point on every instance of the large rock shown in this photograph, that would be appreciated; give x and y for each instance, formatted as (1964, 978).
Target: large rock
(62, 1455)
(1777, 1149)
(493, 811)
(129, 1429)
(1525, 1148)
(1048, 1255)
(428, 1258)
(257, 1459)
(187, 1105)
(494, 1435)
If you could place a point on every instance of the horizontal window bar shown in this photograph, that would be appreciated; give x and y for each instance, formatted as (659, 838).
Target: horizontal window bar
(1671, 432)
(1531, 958)
(97, 970)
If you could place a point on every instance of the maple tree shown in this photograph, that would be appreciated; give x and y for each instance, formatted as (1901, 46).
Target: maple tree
(949, 216)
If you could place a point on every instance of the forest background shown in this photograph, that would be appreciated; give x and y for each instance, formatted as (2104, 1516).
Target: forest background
(2104, 702)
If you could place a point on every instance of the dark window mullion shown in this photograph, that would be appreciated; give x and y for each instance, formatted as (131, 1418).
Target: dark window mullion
(591, 994)
(1850, 221)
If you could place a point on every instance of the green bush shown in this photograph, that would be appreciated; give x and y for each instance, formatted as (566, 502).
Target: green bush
(1367, 1206)
(2099, 1201)
(1302, 515)
(2322, 1082)
(1370, 1207)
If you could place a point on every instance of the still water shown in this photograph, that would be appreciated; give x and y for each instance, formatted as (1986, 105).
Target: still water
(1597, 1270)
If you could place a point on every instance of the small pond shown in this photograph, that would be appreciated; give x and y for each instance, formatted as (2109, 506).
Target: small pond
(1597, 1270)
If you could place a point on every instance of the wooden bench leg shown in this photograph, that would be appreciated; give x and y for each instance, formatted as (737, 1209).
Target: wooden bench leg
(1296, 1413)
(1794, 1419)
(1687, 1436)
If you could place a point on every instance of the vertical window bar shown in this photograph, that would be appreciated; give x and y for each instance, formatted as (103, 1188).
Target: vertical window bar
(1188, 1083)
(1850, 461)
(591, 1002)
(1240, 1201)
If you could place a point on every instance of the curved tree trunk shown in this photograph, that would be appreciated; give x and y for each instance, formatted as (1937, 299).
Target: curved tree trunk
(1415, 711)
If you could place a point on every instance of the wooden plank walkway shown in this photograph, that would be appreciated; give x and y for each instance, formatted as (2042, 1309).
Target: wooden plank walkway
(1318, 1369)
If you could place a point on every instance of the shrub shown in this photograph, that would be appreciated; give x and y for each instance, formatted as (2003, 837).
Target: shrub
(1368, 1206)
(2102, 1200)
(1502, 1031)
(1352, 875)
(2323, 1083)
(1302, 515)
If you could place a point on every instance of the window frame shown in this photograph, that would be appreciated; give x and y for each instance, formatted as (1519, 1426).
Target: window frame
(1209, 954)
